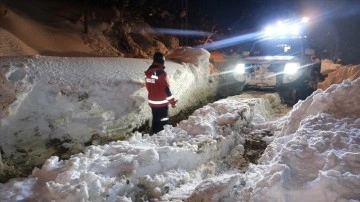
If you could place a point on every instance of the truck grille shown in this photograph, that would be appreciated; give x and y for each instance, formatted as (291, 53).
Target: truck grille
(256, 74)
(276, 68)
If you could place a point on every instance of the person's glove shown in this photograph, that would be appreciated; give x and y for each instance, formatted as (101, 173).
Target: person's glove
(173, 104)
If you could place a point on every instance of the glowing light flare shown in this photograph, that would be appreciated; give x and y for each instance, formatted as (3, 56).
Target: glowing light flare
(231, 41)
(240, 68)
(180, 32)
(279, 23)
(291, 68)
(294, 29)
(305, 19)
(269, 30)
(282, 30)
(286, 28)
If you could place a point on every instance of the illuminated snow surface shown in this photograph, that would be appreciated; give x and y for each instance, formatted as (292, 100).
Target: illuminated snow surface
(71, 100)
(313, 152)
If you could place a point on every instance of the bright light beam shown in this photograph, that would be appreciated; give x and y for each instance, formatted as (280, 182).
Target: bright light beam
(181, 32)
(230, 41)
(305, 20)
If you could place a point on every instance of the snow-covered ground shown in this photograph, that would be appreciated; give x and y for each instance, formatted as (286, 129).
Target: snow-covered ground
(312, 154)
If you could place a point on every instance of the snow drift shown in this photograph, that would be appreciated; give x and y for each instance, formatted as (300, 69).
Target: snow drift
(312, 155)
(72, 100)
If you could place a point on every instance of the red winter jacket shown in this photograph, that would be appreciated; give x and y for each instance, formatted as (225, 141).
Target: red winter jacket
(157, 85)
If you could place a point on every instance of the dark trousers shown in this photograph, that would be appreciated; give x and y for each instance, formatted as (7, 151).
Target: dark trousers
(160, 118)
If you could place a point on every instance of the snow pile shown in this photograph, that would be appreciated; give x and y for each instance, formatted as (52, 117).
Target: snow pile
(312, 156)
(63, 103)
(142, 167)
(315, 157)
(71, 100)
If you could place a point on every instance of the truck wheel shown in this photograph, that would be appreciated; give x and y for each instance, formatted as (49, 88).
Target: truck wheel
(289, 96)
(293, 95)
(301, 93)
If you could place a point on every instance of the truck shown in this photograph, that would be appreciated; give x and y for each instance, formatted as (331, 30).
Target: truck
(285, 63)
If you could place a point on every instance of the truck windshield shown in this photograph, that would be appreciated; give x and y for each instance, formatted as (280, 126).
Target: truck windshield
(277, 47)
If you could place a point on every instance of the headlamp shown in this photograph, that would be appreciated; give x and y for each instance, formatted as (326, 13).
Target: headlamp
(286, 28)
(240, 68)
(291, 68)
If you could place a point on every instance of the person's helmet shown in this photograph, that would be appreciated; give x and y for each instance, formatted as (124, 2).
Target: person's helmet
(159, 58)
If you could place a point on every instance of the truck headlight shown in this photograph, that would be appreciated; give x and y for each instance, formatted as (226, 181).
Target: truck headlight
(291, 68)
(240, 68)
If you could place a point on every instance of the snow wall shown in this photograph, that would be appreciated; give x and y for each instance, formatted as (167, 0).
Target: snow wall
(65, 102)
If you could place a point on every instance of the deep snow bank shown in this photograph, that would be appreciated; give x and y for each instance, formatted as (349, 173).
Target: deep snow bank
(71, 99)
(167, 165)
(315, 154)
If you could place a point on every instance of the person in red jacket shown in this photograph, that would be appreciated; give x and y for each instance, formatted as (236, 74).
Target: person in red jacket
(159, 94)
